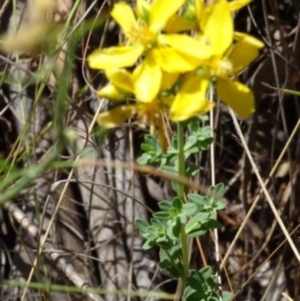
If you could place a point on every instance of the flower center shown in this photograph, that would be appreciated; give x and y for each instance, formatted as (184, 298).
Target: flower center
(149, 110)
(142, 35)
(223, 68)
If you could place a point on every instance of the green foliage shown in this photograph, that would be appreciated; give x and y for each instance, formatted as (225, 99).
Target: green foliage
(177, 221)
(199, 138)
(153, 153)
(203, 286)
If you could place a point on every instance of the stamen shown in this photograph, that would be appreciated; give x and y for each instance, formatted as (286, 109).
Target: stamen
(225, 67)
(142, 35)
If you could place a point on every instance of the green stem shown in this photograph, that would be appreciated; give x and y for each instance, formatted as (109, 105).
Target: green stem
(180, 194)
(185, 256)
(181, 159)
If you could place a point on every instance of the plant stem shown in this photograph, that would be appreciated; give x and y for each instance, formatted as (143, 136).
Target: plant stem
(185, 256)
(180, 194)
(181, 159)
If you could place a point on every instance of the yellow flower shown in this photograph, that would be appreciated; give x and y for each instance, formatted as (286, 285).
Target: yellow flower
(143, 36)
(122, 84)
(191, 99)
(201, 9)
(178, 23)
(121, 87)
(150, 114)
(232, 52)
(141, 33)
(193, 15)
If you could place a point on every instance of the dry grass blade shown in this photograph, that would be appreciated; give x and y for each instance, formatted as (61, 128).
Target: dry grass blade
(51, 251)
(274, 169)
(263, 187)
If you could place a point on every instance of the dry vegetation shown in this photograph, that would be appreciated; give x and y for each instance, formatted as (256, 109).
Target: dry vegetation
(67, 214)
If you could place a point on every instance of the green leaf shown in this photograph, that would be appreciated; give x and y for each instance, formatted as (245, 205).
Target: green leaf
(148, 245)
(196, 233)
(169, 169)
(197, 199)
(165, 205)
(176, 228)
(191, 225)
(203, 217)
(142, 225)
(217, 190)
(200, 224)
(163, 242)
(190, 294)
(201, 286)
(191, 171)
(220, 205)
(144, 159)
(151, 140)
(169, 260)
(204, 118)
(174, 142)
(212, 224)
(205, 273)
(177, 204)
(227, 296)
(162, 215)
(172, 151)
(189, 209)
(191, 142)
(147, 147)
(191, 151)
(142, 10)
(163, 161)
(193, 125)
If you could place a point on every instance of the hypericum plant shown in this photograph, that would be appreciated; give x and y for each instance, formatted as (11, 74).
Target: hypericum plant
(178, 221)
(176, 50)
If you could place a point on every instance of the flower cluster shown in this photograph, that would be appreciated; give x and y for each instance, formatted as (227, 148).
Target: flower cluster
(174, 50)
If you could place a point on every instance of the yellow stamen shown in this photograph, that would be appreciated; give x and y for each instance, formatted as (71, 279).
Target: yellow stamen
(140, 34)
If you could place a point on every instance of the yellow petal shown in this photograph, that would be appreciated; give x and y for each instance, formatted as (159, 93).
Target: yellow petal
(191, 99)
(236, 95)
(111, 92)
(168, 80)
(124, 16)
(250, 40)
(114, 117)
(147, 80)
(121, 79)
(172, 61)
(217, 26)
(115, 57)
(187, 45)
(179, 24)
(238, 4)
(199, 4)
(161, 11)
(244, 52)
